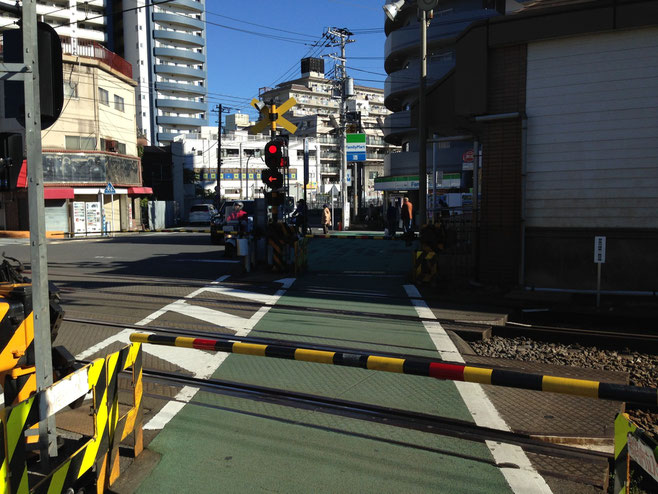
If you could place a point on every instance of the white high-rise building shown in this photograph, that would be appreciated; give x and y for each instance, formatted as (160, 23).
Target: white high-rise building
(166, 45)
(70, 18)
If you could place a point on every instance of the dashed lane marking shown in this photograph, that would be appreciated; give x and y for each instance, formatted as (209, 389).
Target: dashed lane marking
(524, 479)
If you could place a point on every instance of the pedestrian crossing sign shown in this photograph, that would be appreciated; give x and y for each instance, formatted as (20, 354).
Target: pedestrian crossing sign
(109, 189)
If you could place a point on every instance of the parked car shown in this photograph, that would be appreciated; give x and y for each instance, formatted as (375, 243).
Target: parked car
(218, 221)
(202, 213)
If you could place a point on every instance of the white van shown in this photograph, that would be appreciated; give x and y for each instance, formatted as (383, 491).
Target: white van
(201, 213)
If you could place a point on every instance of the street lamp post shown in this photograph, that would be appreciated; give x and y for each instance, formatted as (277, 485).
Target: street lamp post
(424, 7)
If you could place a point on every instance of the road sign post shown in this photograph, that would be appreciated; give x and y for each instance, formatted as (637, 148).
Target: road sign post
(599, 258)
(110, 190)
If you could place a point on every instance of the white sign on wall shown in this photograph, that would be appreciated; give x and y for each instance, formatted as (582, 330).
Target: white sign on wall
(599, 250)
(79, 221)
(93, 217)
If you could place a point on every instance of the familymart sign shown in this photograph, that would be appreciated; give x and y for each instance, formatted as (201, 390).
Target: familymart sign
(356, 147)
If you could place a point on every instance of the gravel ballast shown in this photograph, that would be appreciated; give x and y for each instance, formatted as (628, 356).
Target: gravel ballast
(642, 368)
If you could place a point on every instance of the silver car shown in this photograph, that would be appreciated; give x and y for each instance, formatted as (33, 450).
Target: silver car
(202, 213)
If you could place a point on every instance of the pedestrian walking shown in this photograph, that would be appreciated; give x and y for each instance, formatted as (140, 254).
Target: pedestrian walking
(407, 215)
(391, 219)
(299, 216)
(326, 218)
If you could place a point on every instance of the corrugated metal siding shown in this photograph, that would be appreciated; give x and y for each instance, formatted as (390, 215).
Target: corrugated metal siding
(592, 106)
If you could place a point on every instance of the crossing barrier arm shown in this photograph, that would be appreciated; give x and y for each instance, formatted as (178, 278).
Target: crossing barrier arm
(438, 370)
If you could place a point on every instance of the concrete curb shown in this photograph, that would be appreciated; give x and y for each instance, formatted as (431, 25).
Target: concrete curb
(26, 234)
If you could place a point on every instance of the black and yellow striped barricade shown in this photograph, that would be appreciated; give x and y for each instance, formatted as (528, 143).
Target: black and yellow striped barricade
(281, 239)
(425, 266)
(633, 444)
(412, 365)
(122, 426)
(301, 255)
(100, 377)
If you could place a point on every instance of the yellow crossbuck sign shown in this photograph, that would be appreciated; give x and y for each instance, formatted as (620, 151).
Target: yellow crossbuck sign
(273, 115)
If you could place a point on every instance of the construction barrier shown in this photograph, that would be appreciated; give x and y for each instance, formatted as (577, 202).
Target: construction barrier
(281, 239)
(96, 456)
(355, 237)
(425, 266)
(417, 367)
(301, 255)
(632, 443)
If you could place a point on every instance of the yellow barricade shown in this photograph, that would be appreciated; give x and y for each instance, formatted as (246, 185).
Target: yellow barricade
(101, 451)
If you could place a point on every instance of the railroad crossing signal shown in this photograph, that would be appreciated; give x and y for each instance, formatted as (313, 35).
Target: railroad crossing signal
(273, 116)
(272, 178)
(275, 152)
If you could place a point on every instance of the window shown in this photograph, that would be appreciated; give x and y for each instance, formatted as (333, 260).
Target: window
(80, 143)
(71, 90)
(121, 148)
(103, 96)
(118, 103)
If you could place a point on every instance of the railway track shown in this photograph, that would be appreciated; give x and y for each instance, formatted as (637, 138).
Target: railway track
(644, 340)
(431, 424)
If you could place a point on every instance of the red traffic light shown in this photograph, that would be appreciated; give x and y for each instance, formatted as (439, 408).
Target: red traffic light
(272, 179)
(274, 154)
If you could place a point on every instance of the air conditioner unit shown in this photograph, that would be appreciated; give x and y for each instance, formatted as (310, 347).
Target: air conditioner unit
(112, 146)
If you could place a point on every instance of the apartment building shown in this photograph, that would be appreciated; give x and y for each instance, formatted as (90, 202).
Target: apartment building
(74, 20)
(166, 44)
(317, 115)
(92, 144)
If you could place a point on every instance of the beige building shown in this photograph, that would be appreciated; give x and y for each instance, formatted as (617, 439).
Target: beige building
(92, 172)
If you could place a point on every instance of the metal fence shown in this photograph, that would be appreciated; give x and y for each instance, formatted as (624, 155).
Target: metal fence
(457, 259)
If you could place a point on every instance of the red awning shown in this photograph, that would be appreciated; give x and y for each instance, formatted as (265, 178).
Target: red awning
(140, 191)
(57, 193)
(22, 175)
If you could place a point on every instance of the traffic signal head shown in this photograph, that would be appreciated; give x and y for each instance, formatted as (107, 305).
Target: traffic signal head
(275, 153)
(272, 178)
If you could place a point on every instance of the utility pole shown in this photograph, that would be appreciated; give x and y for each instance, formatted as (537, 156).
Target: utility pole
(218, 191)
(38, 253)
(342, 37)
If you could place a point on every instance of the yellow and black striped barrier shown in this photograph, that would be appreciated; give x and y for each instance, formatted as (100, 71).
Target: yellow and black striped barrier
(98, 454)
(632, 443)
(425, 266)
(355, 237)
(301, 255)
(417, 367)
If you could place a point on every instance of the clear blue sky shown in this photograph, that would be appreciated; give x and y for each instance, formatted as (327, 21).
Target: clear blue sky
(243, 55)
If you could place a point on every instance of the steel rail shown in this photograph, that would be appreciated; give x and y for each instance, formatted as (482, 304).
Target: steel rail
(418, 421)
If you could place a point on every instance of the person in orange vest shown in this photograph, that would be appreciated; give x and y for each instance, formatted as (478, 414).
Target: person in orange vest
(407, 215)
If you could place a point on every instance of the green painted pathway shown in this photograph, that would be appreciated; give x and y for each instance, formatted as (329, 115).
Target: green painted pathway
(238, 445)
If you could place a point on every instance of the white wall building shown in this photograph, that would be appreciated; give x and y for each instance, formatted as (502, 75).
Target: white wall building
(194, 157)
(70, 18)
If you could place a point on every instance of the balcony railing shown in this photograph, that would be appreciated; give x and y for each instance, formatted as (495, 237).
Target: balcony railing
(92, 49)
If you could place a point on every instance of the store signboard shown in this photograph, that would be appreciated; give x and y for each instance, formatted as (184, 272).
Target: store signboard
(79, 215)
(355, 147)
(93, 217)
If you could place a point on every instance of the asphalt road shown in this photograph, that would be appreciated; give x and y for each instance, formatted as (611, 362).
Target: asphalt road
(123, 279)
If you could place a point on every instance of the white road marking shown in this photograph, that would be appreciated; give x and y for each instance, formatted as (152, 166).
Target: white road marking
(201, 364)
(524, 479)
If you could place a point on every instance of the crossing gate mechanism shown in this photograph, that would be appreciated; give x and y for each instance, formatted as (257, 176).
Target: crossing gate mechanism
(632, 443)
